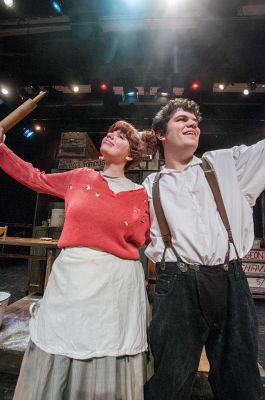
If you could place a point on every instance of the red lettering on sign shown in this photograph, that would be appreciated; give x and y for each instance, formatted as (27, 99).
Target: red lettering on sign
(253, 267)
(255, 255)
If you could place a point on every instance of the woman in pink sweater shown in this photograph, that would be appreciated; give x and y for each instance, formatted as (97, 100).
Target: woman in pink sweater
(88, 333)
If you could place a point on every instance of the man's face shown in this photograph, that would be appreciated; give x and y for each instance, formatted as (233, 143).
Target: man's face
(182, 132)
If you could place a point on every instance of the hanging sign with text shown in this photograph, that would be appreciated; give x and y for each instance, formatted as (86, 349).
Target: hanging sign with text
(72, 163)
(254, 267)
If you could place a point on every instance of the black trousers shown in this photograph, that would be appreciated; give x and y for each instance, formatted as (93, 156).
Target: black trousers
(211, 307)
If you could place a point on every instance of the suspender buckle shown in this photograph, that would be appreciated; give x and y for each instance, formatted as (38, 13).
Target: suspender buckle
(182, 266)
(226, 267)
(194, 267)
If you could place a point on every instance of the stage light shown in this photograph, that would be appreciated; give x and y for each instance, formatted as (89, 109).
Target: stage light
(162, 96)
(4, 91)
(103, 92)
(75, 88)
(133, 2)
(173, 2)
(246, 92)
(163, 93)
(37, 127)
(27, 132)
(131, 92)
(136, 5)
(9, 3)
(195, 86)
(221, 86)
(130, 95)
(104, 87)
(57, 6)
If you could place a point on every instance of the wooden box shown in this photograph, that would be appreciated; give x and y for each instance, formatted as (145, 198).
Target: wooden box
(77, 145)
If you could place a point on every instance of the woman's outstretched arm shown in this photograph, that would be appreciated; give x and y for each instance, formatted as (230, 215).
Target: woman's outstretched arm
(24, 172)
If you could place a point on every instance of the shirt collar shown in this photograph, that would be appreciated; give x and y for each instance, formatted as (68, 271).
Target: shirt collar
(195, 161)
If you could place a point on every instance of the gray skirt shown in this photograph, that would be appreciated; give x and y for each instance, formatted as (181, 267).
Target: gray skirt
(45, 376)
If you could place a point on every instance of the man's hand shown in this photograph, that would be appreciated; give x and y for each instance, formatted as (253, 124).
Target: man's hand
(2, 135)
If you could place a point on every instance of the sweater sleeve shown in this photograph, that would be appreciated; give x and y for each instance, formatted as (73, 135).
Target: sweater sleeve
(24, 172)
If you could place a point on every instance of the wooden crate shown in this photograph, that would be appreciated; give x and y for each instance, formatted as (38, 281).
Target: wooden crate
(77, 145)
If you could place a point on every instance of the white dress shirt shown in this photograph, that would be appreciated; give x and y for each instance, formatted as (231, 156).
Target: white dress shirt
(198, 234)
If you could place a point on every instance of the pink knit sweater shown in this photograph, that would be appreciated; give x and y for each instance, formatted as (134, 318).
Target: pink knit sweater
(94, 215)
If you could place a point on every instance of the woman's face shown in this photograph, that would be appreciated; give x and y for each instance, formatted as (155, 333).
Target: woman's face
(115, 147)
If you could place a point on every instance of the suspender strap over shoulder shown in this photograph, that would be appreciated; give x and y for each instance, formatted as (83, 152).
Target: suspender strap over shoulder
(213, 183)
(162, 222)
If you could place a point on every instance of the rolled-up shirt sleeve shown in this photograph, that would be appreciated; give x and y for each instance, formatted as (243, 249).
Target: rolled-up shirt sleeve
(250, 168)
(54, 184)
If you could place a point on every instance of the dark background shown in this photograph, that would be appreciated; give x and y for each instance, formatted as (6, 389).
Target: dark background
(162, 43)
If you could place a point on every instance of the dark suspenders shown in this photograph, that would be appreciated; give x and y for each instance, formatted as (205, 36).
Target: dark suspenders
(162, 222)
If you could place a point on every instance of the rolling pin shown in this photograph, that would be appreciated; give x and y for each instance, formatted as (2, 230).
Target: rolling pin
(21, 112)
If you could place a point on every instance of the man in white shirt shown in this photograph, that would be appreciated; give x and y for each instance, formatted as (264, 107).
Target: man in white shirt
(201, 297)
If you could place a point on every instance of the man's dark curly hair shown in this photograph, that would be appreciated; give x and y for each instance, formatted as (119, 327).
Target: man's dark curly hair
(165, 113)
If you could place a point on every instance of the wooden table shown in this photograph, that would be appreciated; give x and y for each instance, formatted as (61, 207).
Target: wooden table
(49, 245)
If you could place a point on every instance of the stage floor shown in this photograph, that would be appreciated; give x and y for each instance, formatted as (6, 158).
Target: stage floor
(13, 278)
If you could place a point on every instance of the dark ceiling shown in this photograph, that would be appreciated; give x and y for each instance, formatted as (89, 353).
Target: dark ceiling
(152, 44)
(143, 43)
